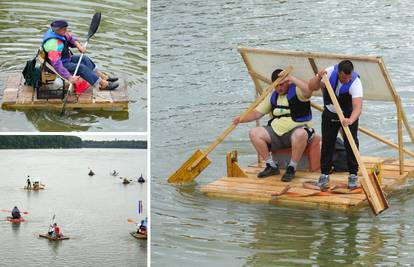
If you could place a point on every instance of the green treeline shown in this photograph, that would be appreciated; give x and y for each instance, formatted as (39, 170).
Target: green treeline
(115, 144)
(62, 141)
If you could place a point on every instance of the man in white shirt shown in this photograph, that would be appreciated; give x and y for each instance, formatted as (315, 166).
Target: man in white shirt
(348, 90)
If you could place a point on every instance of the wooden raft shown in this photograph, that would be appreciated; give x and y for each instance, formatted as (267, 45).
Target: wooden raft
(253, 189)
(15, 95)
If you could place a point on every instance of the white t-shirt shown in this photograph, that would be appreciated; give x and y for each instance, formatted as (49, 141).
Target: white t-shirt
(355, 90)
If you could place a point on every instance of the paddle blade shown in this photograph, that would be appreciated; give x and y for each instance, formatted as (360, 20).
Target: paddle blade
(96, 20)
(186, 173)
(131, 221)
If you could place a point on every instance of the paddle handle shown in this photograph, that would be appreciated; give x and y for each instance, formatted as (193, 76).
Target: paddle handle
(231, 127)
(365, 184)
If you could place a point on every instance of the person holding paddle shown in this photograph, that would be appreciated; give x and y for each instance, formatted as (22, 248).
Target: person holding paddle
(290, 125)
(348, 90)
(56, 43)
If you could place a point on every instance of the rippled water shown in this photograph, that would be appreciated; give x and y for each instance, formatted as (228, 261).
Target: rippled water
(92, 211)
(119, 46)
(199, 83)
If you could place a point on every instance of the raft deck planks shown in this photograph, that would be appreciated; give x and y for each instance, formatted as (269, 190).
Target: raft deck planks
(253, 189)
(16, 95)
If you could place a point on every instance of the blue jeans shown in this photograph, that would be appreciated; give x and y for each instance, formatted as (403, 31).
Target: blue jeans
(86, 68)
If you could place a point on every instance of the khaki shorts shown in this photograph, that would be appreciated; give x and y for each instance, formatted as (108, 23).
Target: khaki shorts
(282, 141)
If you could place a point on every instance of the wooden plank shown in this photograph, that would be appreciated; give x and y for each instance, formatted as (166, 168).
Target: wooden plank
(375, 59)
(19, 96)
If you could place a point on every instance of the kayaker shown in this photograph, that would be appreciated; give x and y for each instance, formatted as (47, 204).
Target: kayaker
(16, 213)
(29, 183)
(56, 43)
(91, 173)
(56, 230)
(114, 173)
(141, 179)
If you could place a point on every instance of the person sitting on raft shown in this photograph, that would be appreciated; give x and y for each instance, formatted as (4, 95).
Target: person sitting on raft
(36, 184)
(142, 228)
(56, 43)
(16, 213)
(56, 231)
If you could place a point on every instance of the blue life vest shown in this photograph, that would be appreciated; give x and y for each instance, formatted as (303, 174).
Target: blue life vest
(299, 111)
(66, 53)
(344, 97)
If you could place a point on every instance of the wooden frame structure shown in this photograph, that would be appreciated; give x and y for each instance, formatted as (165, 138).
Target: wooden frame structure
(378, 86)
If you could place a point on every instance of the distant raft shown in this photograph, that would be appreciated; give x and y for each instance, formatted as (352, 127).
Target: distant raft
(54, 238)
(16, 96)
(125, 181)
(35, 188)
(13, 220)
(138, 235)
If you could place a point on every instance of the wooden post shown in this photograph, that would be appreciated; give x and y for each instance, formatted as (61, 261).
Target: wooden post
(400, 135)
(233, 167)
(258, 88)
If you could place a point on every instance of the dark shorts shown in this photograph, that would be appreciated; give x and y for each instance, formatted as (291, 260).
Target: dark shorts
(282, 141)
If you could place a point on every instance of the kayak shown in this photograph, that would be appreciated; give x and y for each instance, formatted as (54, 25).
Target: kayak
(54, 238)
(10, 219)
(138, 235)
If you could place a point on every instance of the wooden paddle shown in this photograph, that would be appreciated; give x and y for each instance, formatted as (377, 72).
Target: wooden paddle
(370, 185)
(96, 19)
(199, 160)
(132, 221)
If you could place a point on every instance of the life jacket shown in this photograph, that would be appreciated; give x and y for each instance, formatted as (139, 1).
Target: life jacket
(344, 97)
(299, 111)
(66, 53)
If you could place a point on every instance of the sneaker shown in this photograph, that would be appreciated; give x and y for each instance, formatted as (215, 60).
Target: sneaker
(112, 79)
(268, 171)
(111, 86)
(323, 181)
(352, 181)
(289, 174)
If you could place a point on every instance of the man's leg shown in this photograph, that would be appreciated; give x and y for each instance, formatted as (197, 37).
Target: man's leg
(299, 140)
(329, 133)
(352, 162)
(261, 140)
(85, 72)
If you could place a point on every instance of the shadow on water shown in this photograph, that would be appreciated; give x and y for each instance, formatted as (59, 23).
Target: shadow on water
(15, 227)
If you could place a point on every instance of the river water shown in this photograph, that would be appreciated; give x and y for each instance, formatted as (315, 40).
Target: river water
(199, 83)
(92, 211)
(119, 46)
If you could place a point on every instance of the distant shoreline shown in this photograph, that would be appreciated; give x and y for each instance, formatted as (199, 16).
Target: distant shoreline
(64, 142)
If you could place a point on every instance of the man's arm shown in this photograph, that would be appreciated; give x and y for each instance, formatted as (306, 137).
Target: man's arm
(316, 82)
(252, 116)
(304, 87)
(356, 112)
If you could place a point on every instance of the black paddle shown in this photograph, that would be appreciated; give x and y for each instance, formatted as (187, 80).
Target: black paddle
(96, 19)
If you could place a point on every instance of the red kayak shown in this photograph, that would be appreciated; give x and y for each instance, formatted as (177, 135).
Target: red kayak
(10, 219)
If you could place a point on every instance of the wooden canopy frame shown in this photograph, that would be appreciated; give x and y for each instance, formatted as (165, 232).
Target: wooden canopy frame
(377, 83)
